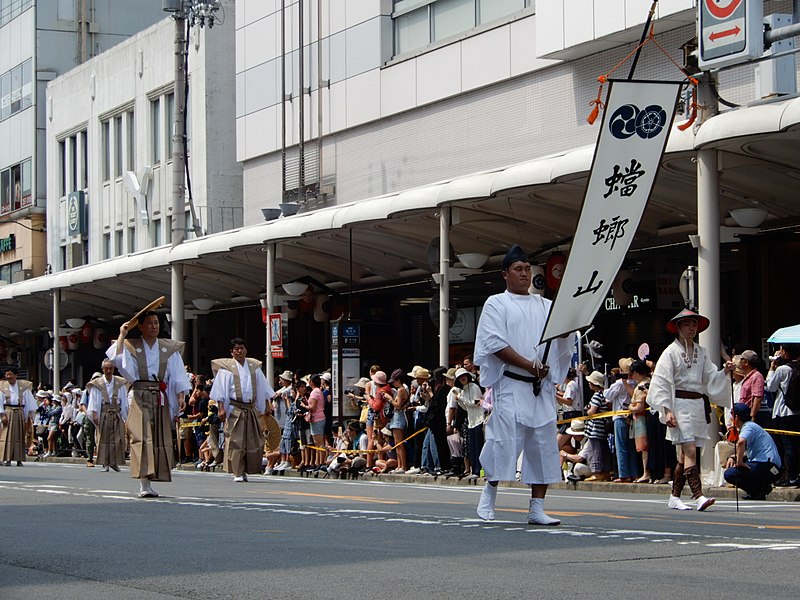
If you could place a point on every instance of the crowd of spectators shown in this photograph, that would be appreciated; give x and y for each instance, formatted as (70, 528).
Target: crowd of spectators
(431, 422)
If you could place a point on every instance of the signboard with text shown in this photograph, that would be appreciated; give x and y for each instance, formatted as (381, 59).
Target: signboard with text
(634, 133)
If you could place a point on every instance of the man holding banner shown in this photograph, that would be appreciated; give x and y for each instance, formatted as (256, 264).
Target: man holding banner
(522, 374)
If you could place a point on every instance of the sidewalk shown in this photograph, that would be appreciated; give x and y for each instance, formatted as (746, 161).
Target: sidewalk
(777, 495)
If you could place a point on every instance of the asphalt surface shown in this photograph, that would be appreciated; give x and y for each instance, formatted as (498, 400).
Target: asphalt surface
(72, 532)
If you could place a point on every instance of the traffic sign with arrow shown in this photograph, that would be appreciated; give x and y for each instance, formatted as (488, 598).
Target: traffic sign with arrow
(729, 31)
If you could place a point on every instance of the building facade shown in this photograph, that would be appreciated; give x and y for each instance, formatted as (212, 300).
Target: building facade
(39, 41)
(110, 142)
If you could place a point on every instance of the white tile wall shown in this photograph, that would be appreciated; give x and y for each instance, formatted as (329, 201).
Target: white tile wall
(486, 58)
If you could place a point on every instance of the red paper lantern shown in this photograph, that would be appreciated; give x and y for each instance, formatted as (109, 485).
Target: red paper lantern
(62, 342)
(100, 339)
(86, 333)
(554, 270)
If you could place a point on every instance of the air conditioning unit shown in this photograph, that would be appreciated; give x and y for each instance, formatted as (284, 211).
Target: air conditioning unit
(21, 275)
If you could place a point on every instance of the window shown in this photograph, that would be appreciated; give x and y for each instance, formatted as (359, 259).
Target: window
(7, 271)
(417, 23)
(73, 162)
(5, 96)
(84, 160)
(118, 146)
(106, 133)
(16, 89)
(106, 246)
(62, 168)
(155, 130)
(169, 231)
(131, 239)
(5, 191)
(188, 233)
(27, 86)
(15, 187)
(157, 232)
(118, 240)
(131, 145)
(169, 119)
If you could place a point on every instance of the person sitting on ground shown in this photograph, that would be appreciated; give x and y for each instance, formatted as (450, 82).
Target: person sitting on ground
(576, 456)
(757, 464)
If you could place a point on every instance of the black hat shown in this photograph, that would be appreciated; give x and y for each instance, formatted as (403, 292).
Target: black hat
(514, 254)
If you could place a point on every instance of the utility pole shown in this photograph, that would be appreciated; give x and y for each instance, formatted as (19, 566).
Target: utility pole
(200, 13)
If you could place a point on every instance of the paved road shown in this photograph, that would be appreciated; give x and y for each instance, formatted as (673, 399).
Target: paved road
(71, 532)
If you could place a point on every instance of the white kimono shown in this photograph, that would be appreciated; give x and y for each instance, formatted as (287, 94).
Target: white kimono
(520, 422)
(672, 374)
(175, 375)
(96, 399)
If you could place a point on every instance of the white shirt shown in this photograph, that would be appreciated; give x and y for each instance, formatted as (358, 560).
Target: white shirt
(28, 401)
(776, 383)
(96, 399)
(223, 390)
(618, 396)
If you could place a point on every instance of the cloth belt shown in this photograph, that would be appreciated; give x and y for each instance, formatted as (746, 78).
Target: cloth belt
(111, 407)
(518, 377)
(19, 406)
(688, 395)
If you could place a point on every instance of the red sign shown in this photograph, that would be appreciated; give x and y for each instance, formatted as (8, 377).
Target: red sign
(722, 9)
(275, 335)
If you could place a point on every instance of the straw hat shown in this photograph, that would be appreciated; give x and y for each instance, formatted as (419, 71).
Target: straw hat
(576, 427)
(152, 306)
(702, 322)
(451, 373)
(286, 375)
(625, 364)
(596, 378)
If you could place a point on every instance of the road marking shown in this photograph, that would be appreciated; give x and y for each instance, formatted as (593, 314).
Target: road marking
(337, 497)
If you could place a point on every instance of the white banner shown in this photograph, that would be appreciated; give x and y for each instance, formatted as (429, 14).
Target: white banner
(636, 125)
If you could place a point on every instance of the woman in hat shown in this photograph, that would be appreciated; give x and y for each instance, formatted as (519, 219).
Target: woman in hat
(683, 378)
(597, 430)
(468, 396)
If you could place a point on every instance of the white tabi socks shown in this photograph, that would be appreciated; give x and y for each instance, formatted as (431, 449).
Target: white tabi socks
(145, 489)
(537, 516)
(486, 503)
(677, 504)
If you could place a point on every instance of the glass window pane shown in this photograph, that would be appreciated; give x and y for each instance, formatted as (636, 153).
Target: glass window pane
(5, 95)
(27, 178)
(5, 191)
(451, 17)
(118, 146)
(73, 162)
(106, 150)
(16, 187)
(131, 239)
(84, 160)
(16, 89)
(62, 168)
(412, 30)
(131, 147)
(489, 10)
(155, 131)
(27, 86)
(169, 117)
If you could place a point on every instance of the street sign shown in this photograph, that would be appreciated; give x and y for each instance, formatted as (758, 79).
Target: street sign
(730, 31)
(63, 359)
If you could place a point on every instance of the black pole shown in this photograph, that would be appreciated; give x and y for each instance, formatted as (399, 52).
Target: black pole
(642, 39)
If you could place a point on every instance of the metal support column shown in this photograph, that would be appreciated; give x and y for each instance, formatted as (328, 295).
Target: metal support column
(269, 300)
(444, 286)
(56, 347)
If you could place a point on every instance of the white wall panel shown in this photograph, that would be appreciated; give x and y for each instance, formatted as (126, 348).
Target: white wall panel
(258, 9)
(363, 10)
(609, 17)
(338, 106)
(578, 22)
(549, 26)
(398, 87)
(523, 48)
(363, 47)
(263, 132)
(240, 50)
(363, 98)
(439, 74)
(486, 58)
(259, 43)
(241, 137)
(636, 12)
(337, 20)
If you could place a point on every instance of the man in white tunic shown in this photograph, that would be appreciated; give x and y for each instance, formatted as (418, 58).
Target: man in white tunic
(108, 409)
(683, 380)
(19, 406)
(522, 377)
(159, 382)
(241, 391)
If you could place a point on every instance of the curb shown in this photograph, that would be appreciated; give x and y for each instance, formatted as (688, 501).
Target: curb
(777, 495)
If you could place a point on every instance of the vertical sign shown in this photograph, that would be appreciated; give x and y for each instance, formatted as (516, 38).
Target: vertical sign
(633, 136)
(729, 31)
(275, 335)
